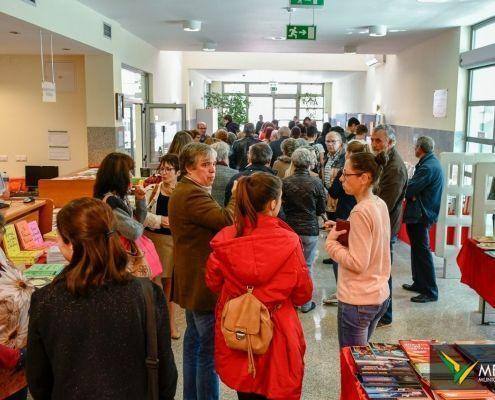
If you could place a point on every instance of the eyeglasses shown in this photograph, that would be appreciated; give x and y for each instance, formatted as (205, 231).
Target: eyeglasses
(345, 175)
(333, 141)
(166, 169)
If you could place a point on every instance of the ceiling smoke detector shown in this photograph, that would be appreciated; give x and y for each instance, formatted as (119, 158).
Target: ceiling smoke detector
(209, 46)
(191, 25)
(377, 30)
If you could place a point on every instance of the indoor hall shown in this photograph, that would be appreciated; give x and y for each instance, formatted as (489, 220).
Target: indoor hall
(340, 105)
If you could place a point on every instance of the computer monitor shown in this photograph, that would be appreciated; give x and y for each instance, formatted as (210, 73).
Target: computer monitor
(34, 173)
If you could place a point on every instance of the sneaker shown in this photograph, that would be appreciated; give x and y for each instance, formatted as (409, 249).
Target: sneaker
(308, 307)
(331, 300)
(382, 324)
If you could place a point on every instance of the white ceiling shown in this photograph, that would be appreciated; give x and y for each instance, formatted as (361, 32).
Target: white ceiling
(28, 40)
(235, 75)
(242, 25)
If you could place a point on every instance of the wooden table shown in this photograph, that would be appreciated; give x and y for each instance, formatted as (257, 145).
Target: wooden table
(40, 210)
(62, 190)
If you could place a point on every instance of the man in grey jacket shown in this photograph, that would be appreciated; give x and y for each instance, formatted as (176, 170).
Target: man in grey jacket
(223, 173)
(391, 188)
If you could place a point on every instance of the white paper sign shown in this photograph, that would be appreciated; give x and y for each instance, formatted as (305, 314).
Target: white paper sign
(58, 138)
(59, 153)
(49, 92)
(440, 100)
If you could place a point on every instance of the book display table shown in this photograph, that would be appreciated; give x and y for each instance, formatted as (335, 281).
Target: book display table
(40, 210)
(350, 387)
(478, 272)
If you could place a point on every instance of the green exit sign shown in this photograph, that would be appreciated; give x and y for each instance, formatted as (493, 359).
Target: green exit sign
(301, 32)
(306, 3)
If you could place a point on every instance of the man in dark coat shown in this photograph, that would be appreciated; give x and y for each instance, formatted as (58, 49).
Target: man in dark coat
(423, 197)
(230, 125)
(238, 156)
(259, 157)
(276, 145)
(391, 189)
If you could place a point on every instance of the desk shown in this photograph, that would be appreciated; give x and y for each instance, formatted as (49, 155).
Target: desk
(478, 272)
(64, 189)
(40, 210)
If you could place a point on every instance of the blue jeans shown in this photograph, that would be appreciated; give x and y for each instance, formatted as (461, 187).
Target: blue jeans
(200, 379)
(310, 246)
(356, 324)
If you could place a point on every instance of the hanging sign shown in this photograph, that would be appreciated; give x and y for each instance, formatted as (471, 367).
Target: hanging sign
(306, 3)
(301, 32)
(49, 92)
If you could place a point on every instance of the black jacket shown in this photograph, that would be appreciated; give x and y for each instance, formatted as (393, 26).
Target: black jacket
(94, 346)
(303, 199)
(391, 188)
(251, 169)
(276, 147)
(238, 156)
(232, 127)
(345, 202)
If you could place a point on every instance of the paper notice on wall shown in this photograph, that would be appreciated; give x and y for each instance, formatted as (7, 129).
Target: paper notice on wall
(440, 99)
(49, 92)
(58, 145)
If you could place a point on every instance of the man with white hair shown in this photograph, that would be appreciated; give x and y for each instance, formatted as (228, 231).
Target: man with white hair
(276, 146)
(202, 127)
(423, 197)
(391, 188)
(223, 173)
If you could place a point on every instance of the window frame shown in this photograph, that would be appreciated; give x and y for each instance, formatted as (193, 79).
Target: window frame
(477, 26)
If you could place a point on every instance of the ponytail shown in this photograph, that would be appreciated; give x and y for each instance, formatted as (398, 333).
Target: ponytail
(251, 197)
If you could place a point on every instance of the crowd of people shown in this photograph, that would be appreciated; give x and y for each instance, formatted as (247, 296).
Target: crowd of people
(235, 219)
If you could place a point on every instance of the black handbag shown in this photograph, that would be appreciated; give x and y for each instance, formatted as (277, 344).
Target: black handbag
(152, 360)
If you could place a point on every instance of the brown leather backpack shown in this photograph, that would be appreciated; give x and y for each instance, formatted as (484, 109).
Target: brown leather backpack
(247, 326)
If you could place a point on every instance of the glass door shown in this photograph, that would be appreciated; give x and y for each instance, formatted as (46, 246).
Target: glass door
(162, 122)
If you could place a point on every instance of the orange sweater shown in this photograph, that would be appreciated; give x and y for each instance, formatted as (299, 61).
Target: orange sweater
(364, 267)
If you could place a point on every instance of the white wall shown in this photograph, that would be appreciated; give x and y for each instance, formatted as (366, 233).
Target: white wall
(196, 94)
(404, 85)
(26, 119)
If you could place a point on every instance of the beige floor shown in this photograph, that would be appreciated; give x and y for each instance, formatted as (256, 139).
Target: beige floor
(453, 317)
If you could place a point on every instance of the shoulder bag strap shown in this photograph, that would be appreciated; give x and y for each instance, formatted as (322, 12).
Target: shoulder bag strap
(151, 340)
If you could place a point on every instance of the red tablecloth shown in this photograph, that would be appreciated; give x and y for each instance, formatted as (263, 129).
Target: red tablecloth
(478, 270)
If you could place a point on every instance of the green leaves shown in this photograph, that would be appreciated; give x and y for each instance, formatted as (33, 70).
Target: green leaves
(235, 105)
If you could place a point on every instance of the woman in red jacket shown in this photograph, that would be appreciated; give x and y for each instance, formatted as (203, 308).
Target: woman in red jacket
(261, 251)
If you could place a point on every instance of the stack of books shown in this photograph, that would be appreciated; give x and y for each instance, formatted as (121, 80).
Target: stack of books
(13, 249)
(486, 243)
(55, 256)
(418, 352)
(30, 236)
(40, 275)
(385, 373)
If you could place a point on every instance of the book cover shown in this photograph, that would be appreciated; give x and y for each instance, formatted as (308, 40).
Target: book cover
(388, 351)
(362, 353)
(418, 351)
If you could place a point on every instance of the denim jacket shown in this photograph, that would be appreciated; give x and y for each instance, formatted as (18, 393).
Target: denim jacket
(424, 192)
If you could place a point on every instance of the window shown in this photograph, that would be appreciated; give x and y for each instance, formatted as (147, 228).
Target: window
(289, 100)
(134, 84)
(483, 34)
(480, 129)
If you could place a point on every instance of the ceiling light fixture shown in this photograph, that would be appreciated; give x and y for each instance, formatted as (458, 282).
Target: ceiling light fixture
(377, 30)
(15, 33)
(191, 25)
(350, 49)
(397, 30)
(289, 9)
(209, 46)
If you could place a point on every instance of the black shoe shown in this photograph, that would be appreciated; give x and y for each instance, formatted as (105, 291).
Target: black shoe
(410, 288)
(423, 298)
(310, 308)
(383, 324)
(328, 261)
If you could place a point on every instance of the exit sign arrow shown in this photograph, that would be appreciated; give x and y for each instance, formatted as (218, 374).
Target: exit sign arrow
(307, 3)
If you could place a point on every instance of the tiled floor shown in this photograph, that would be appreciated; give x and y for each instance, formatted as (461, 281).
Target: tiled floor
(453, 317)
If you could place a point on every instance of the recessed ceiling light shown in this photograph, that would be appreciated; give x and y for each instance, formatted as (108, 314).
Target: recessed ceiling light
(378, 30)
(191, 25)
(276, 38)
(15, 33)
(209, 46)
(397, 30)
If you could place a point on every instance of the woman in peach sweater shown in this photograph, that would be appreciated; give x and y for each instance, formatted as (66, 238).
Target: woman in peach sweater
(364, 266)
